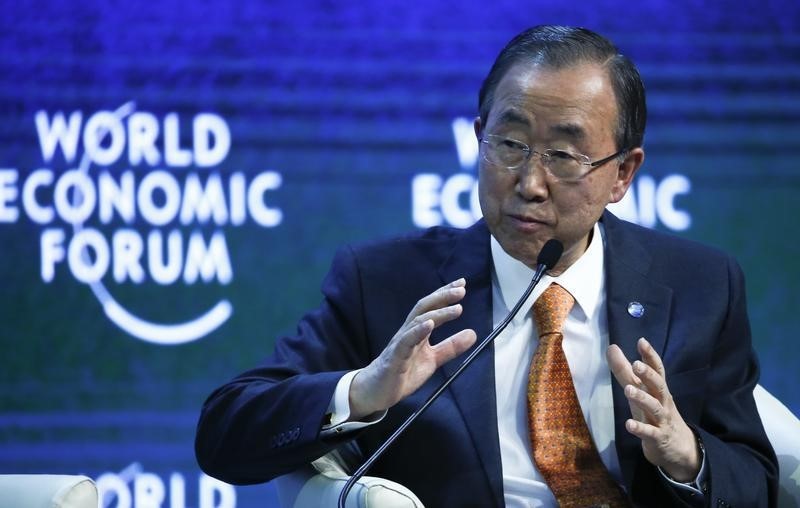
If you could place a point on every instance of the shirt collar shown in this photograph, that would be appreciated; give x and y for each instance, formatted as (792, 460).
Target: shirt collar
(585, 279)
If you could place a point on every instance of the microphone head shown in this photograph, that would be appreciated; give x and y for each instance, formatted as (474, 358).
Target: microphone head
(550, 253)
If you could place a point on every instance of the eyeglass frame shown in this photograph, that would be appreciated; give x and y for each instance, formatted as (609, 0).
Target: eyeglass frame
(548, 153)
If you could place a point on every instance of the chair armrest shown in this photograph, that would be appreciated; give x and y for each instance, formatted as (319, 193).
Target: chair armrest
(782, 429)
(47, 491)
(321, 482)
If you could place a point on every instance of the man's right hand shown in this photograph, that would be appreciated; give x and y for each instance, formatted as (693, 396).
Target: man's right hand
(409, 360)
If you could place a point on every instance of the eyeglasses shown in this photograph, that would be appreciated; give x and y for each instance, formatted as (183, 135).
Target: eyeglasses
(564, 165)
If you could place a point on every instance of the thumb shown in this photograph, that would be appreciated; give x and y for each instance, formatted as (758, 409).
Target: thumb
(453, 346)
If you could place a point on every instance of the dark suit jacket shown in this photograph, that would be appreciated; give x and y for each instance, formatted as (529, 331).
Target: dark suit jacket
(267, 421)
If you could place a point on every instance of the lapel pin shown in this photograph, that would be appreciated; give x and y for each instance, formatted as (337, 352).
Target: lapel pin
(636, 309)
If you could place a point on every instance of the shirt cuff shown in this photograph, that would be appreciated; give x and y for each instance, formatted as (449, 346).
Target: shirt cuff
(696, 487)
(338, 414)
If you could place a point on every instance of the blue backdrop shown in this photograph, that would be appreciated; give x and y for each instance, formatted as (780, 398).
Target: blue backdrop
(175, 177)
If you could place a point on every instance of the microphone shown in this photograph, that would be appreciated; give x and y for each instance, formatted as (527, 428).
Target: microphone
(547, 259)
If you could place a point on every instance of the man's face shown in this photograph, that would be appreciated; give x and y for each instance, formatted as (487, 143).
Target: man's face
(571, 109)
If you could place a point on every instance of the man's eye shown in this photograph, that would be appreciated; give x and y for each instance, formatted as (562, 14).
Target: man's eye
(511, 144)
(560, 155)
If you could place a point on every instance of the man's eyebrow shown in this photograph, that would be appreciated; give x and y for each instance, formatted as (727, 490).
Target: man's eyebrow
(512, 116)
(571, 130)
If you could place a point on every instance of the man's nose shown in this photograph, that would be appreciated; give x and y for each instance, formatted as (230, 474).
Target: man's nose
(532, 180)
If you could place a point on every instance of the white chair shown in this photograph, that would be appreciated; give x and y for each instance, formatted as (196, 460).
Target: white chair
(47, 491)
(783, 429)
(319, 484)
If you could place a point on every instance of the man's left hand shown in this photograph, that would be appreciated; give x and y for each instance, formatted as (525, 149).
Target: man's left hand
(667, 441)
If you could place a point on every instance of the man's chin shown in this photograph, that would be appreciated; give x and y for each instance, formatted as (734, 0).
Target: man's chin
(524, 252)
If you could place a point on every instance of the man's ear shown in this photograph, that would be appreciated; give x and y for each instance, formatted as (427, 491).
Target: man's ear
(625, 173)
(477, 126)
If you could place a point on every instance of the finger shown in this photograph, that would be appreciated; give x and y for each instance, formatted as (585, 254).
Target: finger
(454, 346)
(444, 296)
(410, 338)
(655, 384)
(649, 407)
(642, 430)
(408, 341)
(650, 356)
(621, 367)
(440, 316)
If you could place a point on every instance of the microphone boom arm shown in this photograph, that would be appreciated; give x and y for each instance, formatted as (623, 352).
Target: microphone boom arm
(540, 269)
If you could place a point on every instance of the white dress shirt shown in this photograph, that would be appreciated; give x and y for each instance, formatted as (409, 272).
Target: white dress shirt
(585, 343)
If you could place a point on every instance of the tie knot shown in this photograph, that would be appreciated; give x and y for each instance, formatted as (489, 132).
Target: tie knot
(551, 309)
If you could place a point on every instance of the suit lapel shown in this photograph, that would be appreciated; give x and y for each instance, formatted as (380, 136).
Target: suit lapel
(474, 390)
(627, 268)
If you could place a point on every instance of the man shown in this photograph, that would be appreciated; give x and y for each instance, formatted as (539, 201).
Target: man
(561, 125)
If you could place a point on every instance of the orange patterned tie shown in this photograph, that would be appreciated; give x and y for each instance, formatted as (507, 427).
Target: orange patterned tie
(562, 446)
